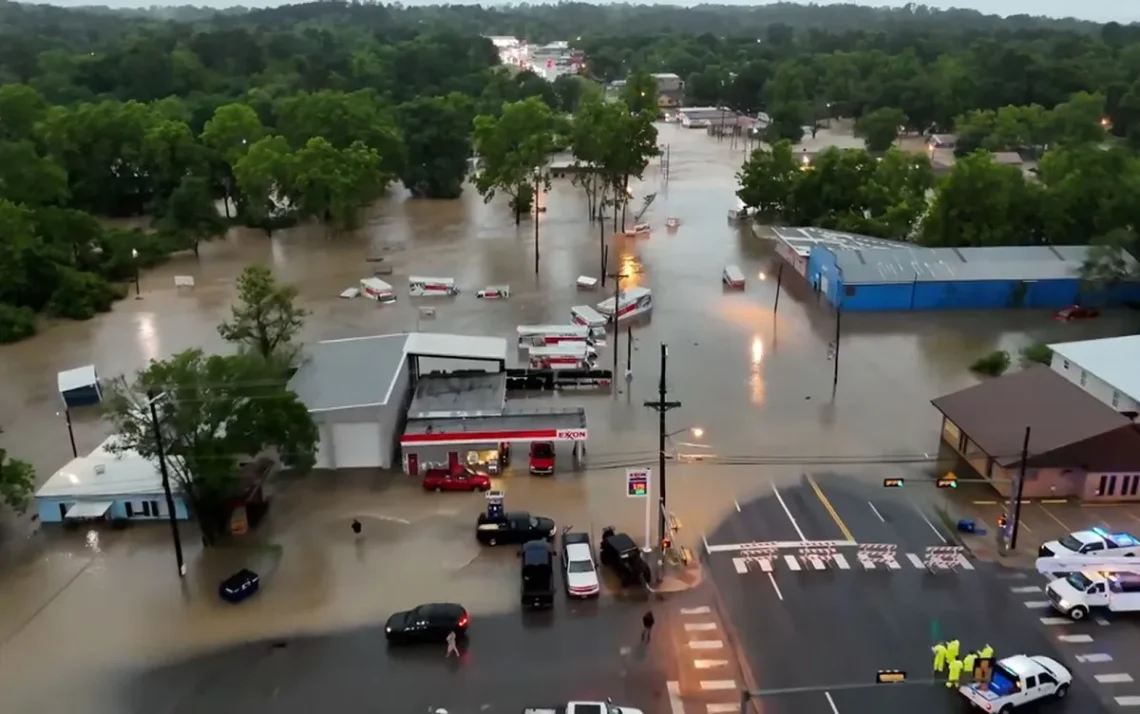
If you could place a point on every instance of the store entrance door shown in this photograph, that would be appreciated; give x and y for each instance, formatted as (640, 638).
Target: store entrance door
(413, 464)
(452, 461)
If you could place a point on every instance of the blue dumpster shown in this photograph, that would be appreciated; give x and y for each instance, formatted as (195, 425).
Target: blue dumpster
(966, 525)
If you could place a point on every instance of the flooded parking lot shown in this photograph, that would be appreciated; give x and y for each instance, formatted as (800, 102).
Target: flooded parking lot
(757, 383)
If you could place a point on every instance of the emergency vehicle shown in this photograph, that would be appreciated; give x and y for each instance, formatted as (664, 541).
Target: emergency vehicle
(567, 355)
(1017, 681)
(426, 287)
(591, 318)
(634, 301)
(733, 277)
(1093, 542)
(638, 231)
(1087, 583)
(494, 292)
(539, 335)
(377, 289)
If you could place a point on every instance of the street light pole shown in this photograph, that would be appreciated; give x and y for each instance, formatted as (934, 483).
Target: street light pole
(135, 260)
(70, 432)
(662, 406)
(617, 278)
(161, 452)
(536, 212)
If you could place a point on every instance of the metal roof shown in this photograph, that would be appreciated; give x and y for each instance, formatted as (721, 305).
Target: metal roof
(78, 378)
(803, 239)
(354, 372)
(509, 420)
(470, 395)
(433, 344)
(911, 264)
(104, 473)
(1115, 361)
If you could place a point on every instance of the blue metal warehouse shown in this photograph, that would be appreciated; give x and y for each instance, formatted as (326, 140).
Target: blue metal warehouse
(860, 273)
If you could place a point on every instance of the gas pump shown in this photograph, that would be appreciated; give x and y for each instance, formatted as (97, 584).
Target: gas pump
(495, 507)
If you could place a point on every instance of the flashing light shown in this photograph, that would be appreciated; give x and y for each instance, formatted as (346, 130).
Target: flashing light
(1100, 532)
(892, 483)
(666, 543)
(890, 676)
(1002, 521)
(948, 482)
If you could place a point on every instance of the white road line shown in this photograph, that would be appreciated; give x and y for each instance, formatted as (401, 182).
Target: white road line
(1056, 621)
(923, 516)
(893, 564)
(710, 663)
(789, 513)
(705, 540)
(1128, 701)
(817, 562)
(706, 645)
(675, 704)
(699, 626)
(741, 565)
(1095, 658)
(1034, 604)
(765, 564)
(1026, 589)
(718, 684)
(866, 562)
(915, 561)
(702, 610)
(1114, 678)
(792, 562)
(841, 562)
(1076, 639)
(834, 709)
(876, 512)
(1100, 621)
(965, 564)
(775, 587)
(723, 708)
(737, 504)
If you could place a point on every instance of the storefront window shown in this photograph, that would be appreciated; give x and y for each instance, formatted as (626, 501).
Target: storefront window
(485, 460)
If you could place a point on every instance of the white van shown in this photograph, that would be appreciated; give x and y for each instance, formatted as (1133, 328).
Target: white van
(377, 289)
(424, 287)
(733, 277)
(591, 318)
(634, 301)
(568, 355)
(539, 335)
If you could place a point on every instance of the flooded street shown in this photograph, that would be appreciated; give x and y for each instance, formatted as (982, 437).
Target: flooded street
(758, 384)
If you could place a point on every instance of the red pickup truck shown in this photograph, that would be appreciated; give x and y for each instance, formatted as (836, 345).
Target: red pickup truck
(459, 478)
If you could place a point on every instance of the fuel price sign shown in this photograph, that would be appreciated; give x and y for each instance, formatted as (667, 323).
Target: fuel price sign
(637, 483)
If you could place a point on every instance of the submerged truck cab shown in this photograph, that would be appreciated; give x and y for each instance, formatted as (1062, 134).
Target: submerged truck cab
(542, 458)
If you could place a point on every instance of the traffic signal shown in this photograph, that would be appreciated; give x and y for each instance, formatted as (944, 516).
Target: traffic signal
(892, 483)
(948, 482)
(890, 676)
(666, 543)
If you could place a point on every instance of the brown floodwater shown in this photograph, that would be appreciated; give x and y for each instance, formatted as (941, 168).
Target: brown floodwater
(757, 383)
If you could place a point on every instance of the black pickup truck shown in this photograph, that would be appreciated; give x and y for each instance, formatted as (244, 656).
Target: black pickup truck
(537, 575)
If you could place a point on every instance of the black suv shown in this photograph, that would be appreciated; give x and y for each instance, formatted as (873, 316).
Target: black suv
(537, 575)
(427, 623)
(518, 527)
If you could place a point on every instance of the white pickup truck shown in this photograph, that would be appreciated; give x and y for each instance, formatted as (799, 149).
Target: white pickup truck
(1017, 681)
(1077, 594)
(1093, 542)
(606, 707)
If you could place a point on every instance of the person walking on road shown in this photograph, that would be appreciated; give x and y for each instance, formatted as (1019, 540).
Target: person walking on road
(356, 527)
(452, 648)
(955, 673)
(939, 657)
(647, 626)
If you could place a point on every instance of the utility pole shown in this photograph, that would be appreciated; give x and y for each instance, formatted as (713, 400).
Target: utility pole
(1015, 509)
(662, 406)
(779, 281)
(537, 175)
(605, 256)
(616, 277)
(838, 324)
(70, 432)
(665, 163)
(161, 452)
(628, 354)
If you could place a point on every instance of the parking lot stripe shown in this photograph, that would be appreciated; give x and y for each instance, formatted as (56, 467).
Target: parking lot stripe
(718, 684)
(1128, 701)
(710, 663)
(675, 704)
(1114, 678)
(702, 610)
(1026, 589)
(1096, 657)
(792, 562)
(699, 626)
(1055, 621)
(723, 708)
(915, 560)
(1037, 603)
(841, 562)
(706, 645)
(1076, 639)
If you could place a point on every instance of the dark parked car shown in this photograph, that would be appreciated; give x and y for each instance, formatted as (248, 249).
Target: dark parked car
(517, 528)
(239, 586)
(427, 623)
(537, 575)
(620, 553)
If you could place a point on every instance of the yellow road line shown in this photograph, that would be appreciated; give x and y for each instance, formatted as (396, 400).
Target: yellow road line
(1056, 501)
(985, 503)
(830, 509)
(1058, 520)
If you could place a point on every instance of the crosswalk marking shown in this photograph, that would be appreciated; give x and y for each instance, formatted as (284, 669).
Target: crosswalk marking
(965, 564)
(1055, 621)
(710, 663)
(1095, 658)
(792, 562)
(837, 561)
(706, 645)
(699, 626)
(816, 562)
(1076, 639)
(723, 708)
(840, 561)
(741, 565)
(718, 684)
(915, 560)
(702, 610)
(1113, 678)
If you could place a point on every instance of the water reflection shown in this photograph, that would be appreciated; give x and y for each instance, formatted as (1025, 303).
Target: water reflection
(148, 337)
(631, 267)
(756, 377)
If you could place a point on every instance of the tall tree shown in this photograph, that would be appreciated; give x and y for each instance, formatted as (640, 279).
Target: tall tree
(880, 128)
(437, 136)
(513, 151)
(982, 203)
(190, 213)
(768, 179)
(266, 319)
(17, 482)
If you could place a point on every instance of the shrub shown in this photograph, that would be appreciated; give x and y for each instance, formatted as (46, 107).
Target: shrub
(992, 365)
(1038, 353)
(16, 323)
(81, 295)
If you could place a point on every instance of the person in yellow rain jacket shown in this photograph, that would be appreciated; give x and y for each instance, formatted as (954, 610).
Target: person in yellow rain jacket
(939, 657)
(968, 663)
(952, 648)
(986, 652)
(955, 673)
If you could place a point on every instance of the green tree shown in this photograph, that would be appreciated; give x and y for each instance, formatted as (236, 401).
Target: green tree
(1037, 353)
(17, 482)
(880, 128)
(768, 180)
(994, 364)
(569, 89)
(214, 411)
(513, 151)
(1111, 260)
(787, 122)
(597, 121)
(1079, 120)
(334, 185)
(190, 213)
(265, 319)
(437, 136)
(28, 178)
(16, 323)
(229, 134)
(1089, 191)
(21, 106)
(263, 177)
(982, 203)
(640, 93)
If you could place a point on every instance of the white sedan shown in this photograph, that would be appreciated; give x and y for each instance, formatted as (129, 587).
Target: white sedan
(579, 571)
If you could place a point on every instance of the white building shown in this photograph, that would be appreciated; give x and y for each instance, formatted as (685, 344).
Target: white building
(1108, 369)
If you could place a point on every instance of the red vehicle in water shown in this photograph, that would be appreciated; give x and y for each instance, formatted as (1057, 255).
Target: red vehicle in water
(1076, 312)
(459, 478)
(541, 458)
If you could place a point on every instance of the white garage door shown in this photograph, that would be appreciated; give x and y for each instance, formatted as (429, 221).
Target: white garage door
(356, 445)
(324, 447)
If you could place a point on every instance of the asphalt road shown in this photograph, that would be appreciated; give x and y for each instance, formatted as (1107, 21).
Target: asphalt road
(512, 661)
(833, 629)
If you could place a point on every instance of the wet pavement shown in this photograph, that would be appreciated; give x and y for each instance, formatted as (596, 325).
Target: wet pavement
(757, 383)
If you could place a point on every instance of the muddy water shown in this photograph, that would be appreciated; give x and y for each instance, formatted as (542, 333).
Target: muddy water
(756, 382)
